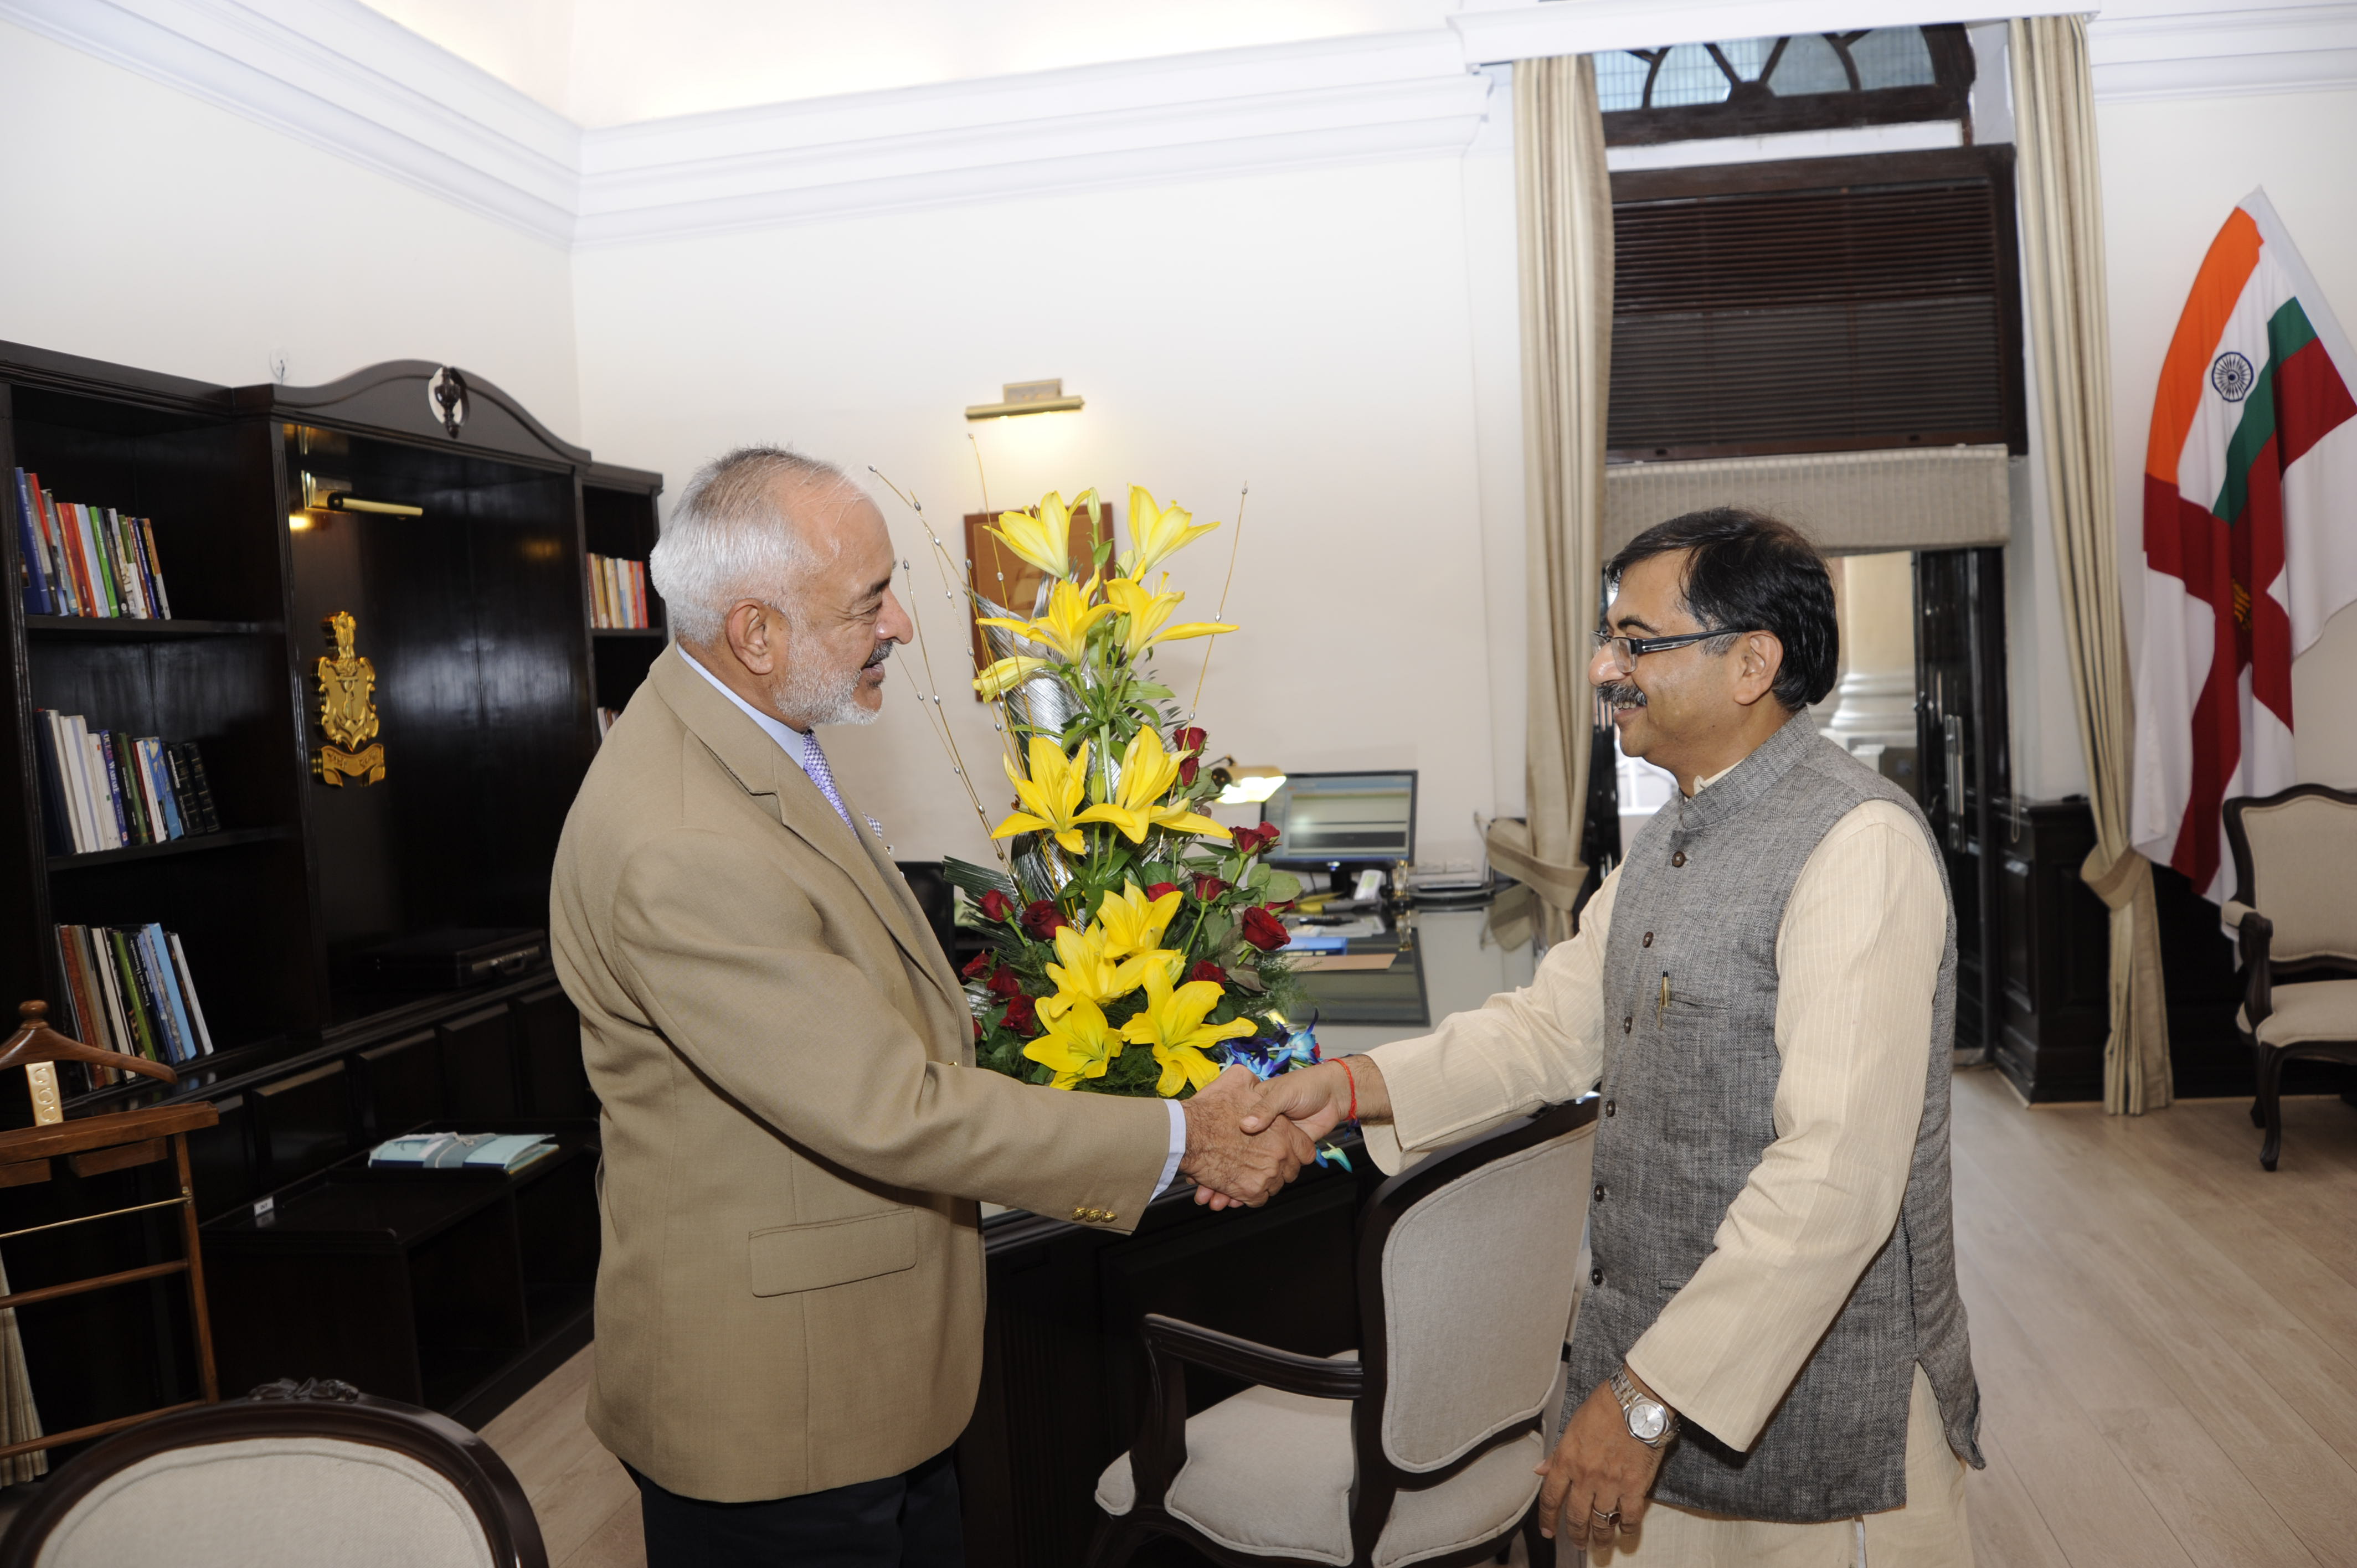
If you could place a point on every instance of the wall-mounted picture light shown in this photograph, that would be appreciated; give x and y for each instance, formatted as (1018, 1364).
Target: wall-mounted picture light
(1025, 397)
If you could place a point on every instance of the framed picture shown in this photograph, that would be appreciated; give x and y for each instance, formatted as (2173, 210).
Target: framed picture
(1006, 579)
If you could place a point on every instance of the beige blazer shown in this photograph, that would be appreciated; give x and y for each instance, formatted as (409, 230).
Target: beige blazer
(791, 1294)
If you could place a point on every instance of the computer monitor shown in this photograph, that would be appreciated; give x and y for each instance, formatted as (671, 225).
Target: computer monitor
(1329, 817)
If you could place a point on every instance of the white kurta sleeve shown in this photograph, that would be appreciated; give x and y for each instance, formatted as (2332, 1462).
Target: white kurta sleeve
(1521, 1049)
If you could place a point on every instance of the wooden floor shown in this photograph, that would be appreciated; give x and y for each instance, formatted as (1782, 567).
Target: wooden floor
(2166, 1336)
(588, 1510)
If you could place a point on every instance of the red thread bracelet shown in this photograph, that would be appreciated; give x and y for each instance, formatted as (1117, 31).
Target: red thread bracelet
(1353, 1079)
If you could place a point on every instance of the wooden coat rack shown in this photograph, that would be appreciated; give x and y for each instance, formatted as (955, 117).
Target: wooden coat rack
(92, 1145)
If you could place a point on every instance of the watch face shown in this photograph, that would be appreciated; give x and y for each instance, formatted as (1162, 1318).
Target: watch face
(1646, 1421)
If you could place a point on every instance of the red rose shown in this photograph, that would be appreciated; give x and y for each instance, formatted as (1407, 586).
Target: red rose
(1042, 918)
(1159, 888)
(996, 906)
(1250, 841)
(979, 966)
(1004, 984)
(977, 1030)
(1020, 1018)
(1206, 970)
(1264, 931)
(1210, 887)
(1189, 742)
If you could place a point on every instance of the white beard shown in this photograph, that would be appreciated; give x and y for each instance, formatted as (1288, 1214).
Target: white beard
(815, 695)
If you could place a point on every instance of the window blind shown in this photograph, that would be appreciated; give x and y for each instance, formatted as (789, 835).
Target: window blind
(1820, 305)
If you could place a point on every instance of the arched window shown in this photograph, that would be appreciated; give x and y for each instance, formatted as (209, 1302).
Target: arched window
(1807, 81)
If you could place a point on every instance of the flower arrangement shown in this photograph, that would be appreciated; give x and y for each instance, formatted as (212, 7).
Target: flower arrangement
(1136, 946)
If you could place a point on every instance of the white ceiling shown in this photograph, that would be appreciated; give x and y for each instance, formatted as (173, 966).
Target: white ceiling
(613, 62)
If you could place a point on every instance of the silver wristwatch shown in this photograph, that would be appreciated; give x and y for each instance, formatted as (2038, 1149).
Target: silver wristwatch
(1651, 1422)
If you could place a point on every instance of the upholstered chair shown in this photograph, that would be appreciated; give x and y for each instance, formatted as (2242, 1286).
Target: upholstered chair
(2295, 910)
(1418, 1448)
(313, 1474)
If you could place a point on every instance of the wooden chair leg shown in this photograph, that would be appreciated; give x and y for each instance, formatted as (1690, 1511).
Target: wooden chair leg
(1117, 1541)
(2271, 1066)
(1537, 1547)
(2258, 1112)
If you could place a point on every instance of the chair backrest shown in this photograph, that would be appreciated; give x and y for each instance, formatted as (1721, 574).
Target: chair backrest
(1468, 1268)
(291, 1476)
(2295, 862)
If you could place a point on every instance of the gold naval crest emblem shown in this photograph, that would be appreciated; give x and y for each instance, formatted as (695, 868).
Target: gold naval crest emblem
(346, 710)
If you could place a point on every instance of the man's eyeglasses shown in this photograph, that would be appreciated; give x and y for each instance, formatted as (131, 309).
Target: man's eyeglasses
(1626, 650)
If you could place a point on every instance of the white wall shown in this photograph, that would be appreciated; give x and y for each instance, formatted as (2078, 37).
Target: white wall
(2172, 170)
(1310, 333)
(152, 229)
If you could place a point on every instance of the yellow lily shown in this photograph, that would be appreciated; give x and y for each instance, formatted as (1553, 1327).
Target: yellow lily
(1147, 612)
(1045, 540)
(1065, 628)
(1054, 791)
(1159, 532)
(1078, 1044)
(1088, 973)
(1172, 1023)
(1147, 771)
(1134, 923)
(1006, 675)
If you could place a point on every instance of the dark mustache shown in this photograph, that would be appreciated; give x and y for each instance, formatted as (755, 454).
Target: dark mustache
(1619, 693)
(883, 652)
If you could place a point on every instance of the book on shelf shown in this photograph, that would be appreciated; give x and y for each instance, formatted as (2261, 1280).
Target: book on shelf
(104, 789)
(129, 990)
(82, 560)
(618, 593)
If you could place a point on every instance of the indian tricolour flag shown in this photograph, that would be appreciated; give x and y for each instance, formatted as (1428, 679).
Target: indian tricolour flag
(2249, 538)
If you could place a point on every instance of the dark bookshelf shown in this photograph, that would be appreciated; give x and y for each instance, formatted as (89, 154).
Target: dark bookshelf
(126, 629)
(232, 839)
(617, 514)
(476, 615)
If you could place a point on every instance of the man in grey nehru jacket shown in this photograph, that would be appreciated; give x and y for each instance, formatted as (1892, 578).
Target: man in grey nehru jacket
(1771, 1346)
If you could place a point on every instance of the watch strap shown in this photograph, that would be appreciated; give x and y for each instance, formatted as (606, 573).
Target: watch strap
(1626, 1392)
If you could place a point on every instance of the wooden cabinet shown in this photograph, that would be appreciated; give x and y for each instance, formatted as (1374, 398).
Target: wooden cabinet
(453, 1290)
(475, 612)
(2056, 1006)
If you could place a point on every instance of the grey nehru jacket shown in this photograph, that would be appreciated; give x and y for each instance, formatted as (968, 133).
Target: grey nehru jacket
(1689, 1093)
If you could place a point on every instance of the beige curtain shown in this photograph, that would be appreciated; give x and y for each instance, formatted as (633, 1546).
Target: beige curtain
(2063, 257)
(1564, 220)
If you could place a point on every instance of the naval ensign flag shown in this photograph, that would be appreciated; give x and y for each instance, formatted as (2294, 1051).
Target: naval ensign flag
(2249, 538)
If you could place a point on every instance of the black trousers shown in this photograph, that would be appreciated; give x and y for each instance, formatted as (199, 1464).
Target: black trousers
(902, 1521)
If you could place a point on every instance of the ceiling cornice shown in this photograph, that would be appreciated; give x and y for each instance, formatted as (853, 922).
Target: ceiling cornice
(2180, 51)
(1396, 95)
(339, 76)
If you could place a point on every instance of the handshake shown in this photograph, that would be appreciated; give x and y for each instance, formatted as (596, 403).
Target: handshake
(1246, 1138)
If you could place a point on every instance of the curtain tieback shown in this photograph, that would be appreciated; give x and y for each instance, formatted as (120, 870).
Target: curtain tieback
(1510, 850)
(2119, 884)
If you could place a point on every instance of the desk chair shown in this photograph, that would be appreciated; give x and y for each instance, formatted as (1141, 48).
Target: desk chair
(313, 1474)
(2296, 915)
(1420, 1448)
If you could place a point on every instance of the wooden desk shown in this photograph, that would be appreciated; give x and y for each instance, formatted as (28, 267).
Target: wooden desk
(1062, 1364)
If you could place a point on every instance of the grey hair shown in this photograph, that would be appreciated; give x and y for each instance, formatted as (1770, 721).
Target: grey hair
(730, 538)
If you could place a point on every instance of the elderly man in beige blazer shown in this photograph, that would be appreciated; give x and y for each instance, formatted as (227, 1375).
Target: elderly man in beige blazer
(790, 1298)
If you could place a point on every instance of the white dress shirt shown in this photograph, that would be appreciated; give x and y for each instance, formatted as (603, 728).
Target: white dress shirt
(791, 741)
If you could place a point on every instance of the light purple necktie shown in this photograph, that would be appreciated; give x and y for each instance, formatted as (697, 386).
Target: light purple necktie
(814, 763)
